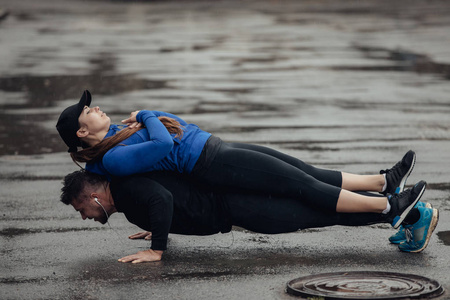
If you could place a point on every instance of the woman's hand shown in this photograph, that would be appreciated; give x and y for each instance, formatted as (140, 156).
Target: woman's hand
(141, 235)
(131, 121)
(143, 256)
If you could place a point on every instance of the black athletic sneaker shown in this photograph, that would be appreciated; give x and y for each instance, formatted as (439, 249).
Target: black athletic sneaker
(401, 204)
(397, 175)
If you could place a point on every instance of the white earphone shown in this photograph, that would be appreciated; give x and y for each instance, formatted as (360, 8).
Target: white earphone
(96, 200)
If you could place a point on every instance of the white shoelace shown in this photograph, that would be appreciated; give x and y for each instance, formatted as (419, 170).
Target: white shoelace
(408, 234)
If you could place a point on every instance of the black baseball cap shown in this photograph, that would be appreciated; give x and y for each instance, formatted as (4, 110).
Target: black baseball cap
(68, 122)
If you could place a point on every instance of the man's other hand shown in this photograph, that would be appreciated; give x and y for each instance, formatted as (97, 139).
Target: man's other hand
(141, 235)
(143, 256)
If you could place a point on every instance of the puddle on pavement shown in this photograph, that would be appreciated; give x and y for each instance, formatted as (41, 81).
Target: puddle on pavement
(188, 268)
(405, 61)
(444, 186)
(444, 236)
(44, 91)
(27, 137)
(26, 177)
(22, 134)
(14, 232)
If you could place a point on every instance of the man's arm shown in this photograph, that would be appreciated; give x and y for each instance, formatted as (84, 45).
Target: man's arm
(148, 205)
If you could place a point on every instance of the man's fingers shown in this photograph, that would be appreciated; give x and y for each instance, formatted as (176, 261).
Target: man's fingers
(133, 260)
(136, 261)
(143, 256)
(140, 235)
(127, 258)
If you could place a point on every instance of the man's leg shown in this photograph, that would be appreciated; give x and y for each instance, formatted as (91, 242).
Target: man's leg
(270, 214)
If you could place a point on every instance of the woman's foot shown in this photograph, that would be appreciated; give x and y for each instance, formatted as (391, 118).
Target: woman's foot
(397, 175)
(401, 204)
(418, 234)
(400, 235)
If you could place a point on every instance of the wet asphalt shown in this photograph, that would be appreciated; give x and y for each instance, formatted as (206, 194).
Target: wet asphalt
(348, 85)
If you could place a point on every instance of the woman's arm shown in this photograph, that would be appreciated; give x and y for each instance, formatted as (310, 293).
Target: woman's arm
(165, 114)
(133, 122)
(124, 160)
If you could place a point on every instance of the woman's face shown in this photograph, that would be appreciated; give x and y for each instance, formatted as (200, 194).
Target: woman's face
(94, 120)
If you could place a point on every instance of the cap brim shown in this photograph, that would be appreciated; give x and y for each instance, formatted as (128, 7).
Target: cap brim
(85, 100)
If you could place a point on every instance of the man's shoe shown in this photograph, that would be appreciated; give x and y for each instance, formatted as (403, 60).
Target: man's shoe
(397, 175)
(418, 234)
(401, 204)
(400, 235)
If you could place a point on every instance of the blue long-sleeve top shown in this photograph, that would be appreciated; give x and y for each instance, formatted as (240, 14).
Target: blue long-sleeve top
(152, 148)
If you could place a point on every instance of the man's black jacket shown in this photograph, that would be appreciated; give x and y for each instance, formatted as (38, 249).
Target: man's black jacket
(163, 202)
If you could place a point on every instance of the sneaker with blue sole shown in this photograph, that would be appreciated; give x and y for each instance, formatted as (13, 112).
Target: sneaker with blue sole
(418, 234)
(401, 204)
(397, 175)
(400, 235)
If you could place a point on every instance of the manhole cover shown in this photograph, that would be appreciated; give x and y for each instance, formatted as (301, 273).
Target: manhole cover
(364, 285)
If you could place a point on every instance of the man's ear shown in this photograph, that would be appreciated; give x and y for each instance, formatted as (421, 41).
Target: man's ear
(82, 132)
(93, 196)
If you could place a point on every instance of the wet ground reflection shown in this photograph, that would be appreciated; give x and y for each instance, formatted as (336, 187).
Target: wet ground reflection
(43, 91)
(22, 133)
(28, 137)
(254, 72)
(444, 236)
(347, 85)
(406, 61)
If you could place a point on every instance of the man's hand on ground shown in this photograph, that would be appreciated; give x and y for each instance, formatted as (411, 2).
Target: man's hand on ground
(141, 235)
(143, 256)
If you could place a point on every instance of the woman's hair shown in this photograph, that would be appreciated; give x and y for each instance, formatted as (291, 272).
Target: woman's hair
(97, 151)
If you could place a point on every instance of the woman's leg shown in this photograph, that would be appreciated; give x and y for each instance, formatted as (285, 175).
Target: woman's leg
(350, 202)
(259, 172)
(347, 181)
(353, 182)
(253, 170)
(328, 176)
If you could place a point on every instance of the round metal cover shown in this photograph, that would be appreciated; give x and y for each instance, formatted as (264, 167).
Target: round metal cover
(364, 285)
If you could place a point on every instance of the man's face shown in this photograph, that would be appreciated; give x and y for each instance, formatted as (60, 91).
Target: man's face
(89, 209)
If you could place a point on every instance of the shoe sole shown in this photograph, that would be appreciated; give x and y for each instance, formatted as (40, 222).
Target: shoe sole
(408, 209)
(433, 224)
(401, 187)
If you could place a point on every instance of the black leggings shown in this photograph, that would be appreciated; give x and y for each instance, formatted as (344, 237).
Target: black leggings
(271, 215)
(265, 170)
